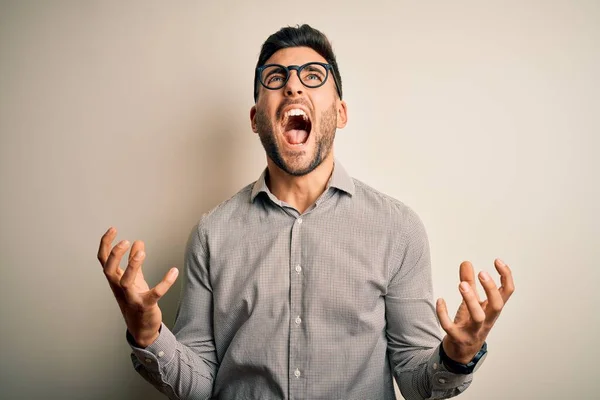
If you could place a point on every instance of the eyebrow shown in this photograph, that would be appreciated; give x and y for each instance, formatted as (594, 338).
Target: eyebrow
(274, 70)
(313, 69)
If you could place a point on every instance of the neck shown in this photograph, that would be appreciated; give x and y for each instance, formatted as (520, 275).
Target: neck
(299, 191)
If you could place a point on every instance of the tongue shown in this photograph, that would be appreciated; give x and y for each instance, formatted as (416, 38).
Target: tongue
(296, 136)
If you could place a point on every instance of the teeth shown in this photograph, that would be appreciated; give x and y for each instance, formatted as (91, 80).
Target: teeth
(295, 112)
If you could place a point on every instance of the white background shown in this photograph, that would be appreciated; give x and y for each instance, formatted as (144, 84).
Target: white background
(483, 116)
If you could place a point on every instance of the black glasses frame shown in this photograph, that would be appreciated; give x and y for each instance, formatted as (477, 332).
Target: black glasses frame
(298, 69)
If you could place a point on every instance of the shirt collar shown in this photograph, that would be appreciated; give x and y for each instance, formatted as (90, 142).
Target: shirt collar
(339, 180)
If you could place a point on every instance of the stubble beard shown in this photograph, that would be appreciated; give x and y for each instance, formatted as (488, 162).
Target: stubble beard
(324, 137)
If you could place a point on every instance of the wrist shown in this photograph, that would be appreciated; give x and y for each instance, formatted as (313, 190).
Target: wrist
(463, 368)
(459, 351)
(145, 339)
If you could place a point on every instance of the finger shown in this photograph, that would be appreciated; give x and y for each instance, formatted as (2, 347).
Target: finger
(137, 246)
(467, 274)
(442, 312)
(494, 303)
(164, 285)
(506, 279)
(462, 314)
(472, 302)
(105, 243)
(114, 259)
(133, 268)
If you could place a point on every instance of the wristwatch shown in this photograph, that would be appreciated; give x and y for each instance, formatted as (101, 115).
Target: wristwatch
(463, 369)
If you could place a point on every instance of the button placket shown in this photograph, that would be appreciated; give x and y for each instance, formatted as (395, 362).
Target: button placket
(296, 346)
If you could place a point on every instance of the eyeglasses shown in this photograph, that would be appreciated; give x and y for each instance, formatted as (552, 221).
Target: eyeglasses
(312, 75)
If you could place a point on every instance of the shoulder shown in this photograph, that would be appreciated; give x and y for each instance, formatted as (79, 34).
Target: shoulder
(228, 211)
(376, 202)
(408, 244)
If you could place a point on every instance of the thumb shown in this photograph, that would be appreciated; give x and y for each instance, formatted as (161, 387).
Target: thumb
(164, 285)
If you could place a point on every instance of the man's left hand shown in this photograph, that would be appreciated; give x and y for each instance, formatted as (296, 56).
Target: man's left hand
(474, 318)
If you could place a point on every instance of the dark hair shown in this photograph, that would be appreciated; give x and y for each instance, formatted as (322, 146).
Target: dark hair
(298, 36)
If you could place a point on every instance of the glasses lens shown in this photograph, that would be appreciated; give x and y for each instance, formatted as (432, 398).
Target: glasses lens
(274, 76)
(313, 75)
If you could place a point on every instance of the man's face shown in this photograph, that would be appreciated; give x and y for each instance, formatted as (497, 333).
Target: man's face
(296, 124)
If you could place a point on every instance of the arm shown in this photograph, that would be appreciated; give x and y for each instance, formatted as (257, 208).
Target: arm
(181, 365)
(413, 332)
(412, 328)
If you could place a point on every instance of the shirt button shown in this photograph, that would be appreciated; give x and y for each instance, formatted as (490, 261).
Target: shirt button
(148, 360)
(298, 268)
(161, 353)
(297, 373)
(435, 365)
(442, 381)
(299, 220)
(298, 321)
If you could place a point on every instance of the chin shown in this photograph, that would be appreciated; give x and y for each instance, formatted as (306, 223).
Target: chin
(297, 167)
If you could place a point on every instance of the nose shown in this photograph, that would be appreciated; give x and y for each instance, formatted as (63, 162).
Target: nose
(293, 86)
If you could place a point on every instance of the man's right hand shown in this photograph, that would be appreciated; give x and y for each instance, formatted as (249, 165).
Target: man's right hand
(138, 303)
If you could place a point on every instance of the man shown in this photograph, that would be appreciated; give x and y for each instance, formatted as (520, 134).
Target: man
(306, 284)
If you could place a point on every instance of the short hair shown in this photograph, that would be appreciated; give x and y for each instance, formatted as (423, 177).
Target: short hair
(298, 36)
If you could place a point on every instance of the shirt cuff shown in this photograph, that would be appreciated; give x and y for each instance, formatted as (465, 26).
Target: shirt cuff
(158, 354)
(443, 380)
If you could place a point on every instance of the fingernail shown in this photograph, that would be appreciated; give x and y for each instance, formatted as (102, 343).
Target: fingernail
(484, 276)
(139, 255)
(502, 264)
(109, 230)
(464, 286)
(124, 243)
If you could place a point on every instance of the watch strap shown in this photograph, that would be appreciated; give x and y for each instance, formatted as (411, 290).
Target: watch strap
(463, 369)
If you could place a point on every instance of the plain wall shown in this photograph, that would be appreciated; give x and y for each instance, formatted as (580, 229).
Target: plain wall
(483, 116)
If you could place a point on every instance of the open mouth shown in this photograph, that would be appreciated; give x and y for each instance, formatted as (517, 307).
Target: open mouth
(296, 126)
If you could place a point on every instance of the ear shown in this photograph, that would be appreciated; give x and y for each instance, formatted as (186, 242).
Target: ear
(342, 117)
(253, 119)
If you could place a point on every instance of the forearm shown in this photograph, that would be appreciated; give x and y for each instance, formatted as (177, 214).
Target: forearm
(413, 331)
(183, 364)
(173, 368)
